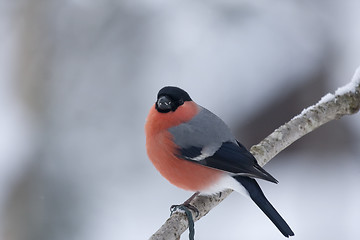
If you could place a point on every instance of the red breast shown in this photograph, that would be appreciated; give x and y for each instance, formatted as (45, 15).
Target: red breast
(162, 150)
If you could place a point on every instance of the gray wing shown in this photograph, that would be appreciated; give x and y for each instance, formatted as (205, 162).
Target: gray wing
(208, 141)
(205, 131)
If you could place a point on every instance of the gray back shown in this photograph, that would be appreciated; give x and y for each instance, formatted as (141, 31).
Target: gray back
(205, 130)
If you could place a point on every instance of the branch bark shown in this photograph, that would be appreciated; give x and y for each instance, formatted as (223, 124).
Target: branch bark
(345, 101)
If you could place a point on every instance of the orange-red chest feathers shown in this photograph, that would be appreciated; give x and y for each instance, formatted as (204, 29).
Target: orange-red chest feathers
(162, 150)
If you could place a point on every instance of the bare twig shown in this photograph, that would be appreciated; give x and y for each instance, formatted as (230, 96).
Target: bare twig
(345, 101)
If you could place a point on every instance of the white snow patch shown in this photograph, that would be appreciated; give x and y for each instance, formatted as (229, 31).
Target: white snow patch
(303, 112)
(351, 86)
(327, 98)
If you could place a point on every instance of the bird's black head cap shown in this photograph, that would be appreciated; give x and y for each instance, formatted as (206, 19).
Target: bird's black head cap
(170, 98)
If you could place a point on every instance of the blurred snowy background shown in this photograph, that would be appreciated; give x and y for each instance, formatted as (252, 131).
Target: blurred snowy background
(77, 79)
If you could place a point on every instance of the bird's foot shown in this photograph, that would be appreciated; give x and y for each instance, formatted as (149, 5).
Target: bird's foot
(187, 205)
(184, 207)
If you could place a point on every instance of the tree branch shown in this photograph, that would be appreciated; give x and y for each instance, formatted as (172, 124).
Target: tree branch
(345, 101)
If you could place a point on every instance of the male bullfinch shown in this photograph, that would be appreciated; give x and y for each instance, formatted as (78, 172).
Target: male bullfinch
(196, 151)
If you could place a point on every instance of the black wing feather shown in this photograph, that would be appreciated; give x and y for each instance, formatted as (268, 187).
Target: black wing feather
(230, 157)
(190, 152)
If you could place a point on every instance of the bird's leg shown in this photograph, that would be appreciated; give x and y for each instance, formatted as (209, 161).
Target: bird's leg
(187, 204)
(185, 207)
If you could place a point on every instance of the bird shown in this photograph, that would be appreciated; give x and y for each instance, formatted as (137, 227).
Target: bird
(196, 151)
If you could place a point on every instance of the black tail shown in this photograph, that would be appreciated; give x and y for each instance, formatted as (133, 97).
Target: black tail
(259, 198)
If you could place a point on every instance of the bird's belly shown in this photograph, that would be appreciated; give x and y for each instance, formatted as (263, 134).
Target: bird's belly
(182, 173)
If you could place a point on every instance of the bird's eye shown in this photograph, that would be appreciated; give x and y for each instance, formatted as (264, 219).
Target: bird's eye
(181, 102)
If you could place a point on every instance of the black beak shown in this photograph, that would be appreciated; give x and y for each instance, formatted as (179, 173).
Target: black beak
(164, 104)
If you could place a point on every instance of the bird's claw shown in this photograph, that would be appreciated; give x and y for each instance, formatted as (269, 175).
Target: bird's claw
(173, 208)
(185, 207)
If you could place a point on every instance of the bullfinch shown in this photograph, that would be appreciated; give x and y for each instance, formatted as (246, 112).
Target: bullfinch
(195, 150)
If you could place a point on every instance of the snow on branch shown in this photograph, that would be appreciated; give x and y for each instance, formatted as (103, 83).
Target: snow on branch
(345, 101)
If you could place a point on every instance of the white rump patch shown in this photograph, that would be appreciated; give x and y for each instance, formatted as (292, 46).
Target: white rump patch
(225, 182)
